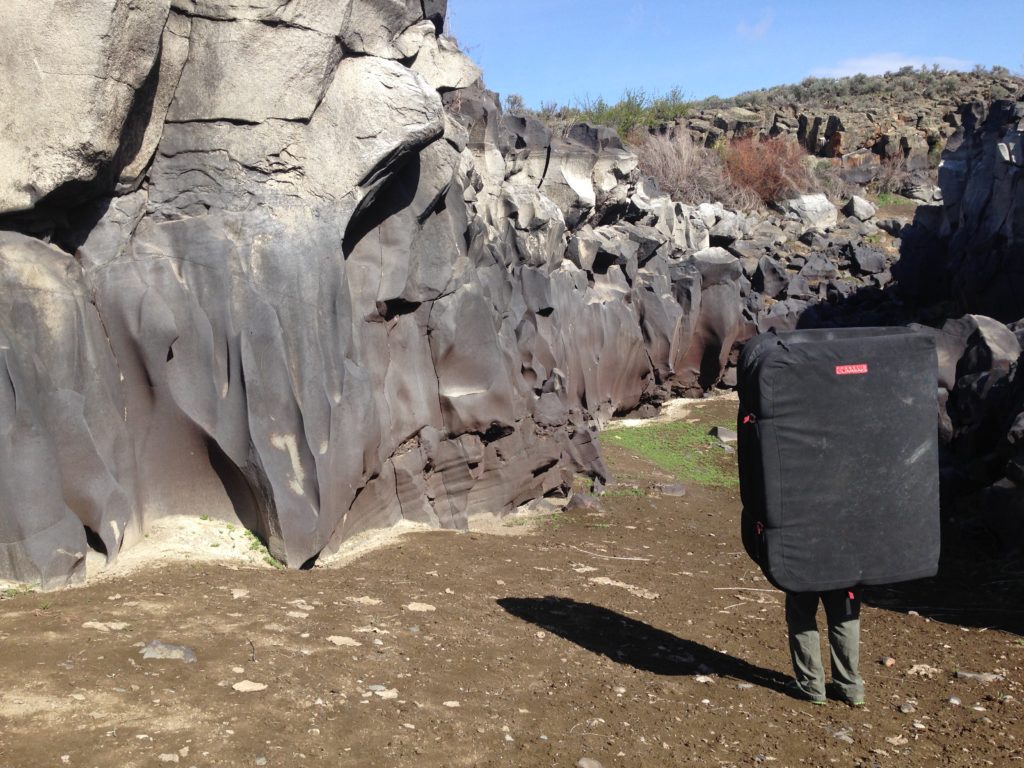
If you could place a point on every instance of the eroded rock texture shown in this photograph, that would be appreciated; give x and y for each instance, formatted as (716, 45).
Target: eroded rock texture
(288, 263)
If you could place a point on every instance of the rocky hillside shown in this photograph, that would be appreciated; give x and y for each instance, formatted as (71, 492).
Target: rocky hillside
(289, 265)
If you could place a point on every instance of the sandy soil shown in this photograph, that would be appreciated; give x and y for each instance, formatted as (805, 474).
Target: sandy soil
(637, 634)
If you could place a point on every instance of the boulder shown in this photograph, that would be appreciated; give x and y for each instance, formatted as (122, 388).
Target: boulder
(859, 208)
(812, 211)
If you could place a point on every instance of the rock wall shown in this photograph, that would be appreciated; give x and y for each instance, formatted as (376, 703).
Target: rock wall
(982, 176)
(288, 264)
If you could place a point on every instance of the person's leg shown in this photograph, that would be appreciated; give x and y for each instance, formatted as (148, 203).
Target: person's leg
(805, 644)
(842, 610)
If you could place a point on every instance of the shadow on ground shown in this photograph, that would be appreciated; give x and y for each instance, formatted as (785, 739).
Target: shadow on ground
(634, 643)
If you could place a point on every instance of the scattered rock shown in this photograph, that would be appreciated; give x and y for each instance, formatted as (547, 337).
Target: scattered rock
(420, 607)
(908, 707)
(157, 649)
(924, 670)
(588, 762)
(248, 686)
(887, 661)
(451, 704)
(724, 434)
(344, 642)
(365, 600)
(106, 626)
(859, 208)
(979, 677)
(955, 701)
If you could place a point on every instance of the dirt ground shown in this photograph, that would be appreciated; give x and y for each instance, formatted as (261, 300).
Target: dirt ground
(637, 634)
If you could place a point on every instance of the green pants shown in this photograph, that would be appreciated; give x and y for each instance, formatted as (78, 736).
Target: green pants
(842, 611)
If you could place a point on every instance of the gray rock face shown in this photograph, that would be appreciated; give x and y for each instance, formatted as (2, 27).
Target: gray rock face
(982, 178)
(321, 284)
(73, 76)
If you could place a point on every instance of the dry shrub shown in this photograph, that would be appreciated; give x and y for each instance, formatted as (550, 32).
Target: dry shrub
(892, 177)
(688, 172)
(773, 169)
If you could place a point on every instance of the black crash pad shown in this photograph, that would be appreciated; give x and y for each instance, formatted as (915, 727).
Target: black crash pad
(838, 453)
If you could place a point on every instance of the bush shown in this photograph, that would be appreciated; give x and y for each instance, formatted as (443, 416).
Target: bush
(773, 169)
(688, 172)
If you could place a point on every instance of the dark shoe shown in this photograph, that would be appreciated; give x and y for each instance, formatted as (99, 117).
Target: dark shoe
(833, 691)
(793, 689)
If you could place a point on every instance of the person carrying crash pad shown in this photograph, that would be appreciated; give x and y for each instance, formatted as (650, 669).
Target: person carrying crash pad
(838, 461)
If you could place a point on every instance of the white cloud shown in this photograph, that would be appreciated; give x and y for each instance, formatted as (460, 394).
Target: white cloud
(756, 31)
(880, 63)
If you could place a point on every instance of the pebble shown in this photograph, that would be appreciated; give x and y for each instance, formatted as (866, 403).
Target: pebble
(451, 704)
(248, 686)
(979, 677)
(588, 762)
(238, 670)
(887, 661)
(238, 594)
(908, 708)
(169, 758)
(619, 690)
(843, 736)
(261, 760)
(105, 626)
(346, 642)
(157, 649)
(955, 701)
(898, 740)
(420, 607)
(744, 686)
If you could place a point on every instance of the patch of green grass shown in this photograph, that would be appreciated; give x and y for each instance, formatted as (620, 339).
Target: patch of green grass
(684, 450)
(888, 198)
(204, 517)
(17, 591)
(257, 546)
(624, 491)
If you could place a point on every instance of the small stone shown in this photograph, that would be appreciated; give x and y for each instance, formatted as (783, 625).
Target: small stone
(844, 736)
(169, 757)
(908, 708)
(261, 760)
(451, 704)
(105, 626)
(248, 686)
(409, 726)
(365, 600)
(955, 701)
(744, 686)
(420, 607)
(391, 693)
(704, 680)
(508, 738)
(588, 762)
(238, 670)
(897, 741)
(887, 661)
(159, 650)
(344, 642)
(541, 635)
(724, 434)
(238, 594)
(979, 677)
(619, 690)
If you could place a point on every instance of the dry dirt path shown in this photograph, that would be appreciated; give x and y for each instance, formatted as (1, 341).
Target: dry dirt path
(637, 635)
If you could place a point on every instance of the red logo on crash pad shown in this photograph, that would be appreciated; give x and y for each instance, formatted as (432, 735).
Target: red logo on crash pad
(852, 370)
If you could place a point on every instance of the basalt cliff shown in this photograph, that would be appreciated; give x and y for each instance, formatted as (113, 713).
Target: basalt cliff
(289, 264)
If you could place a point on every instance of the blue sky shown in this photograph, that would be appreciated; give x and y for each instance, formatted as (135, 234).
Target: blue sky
(568, 50)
